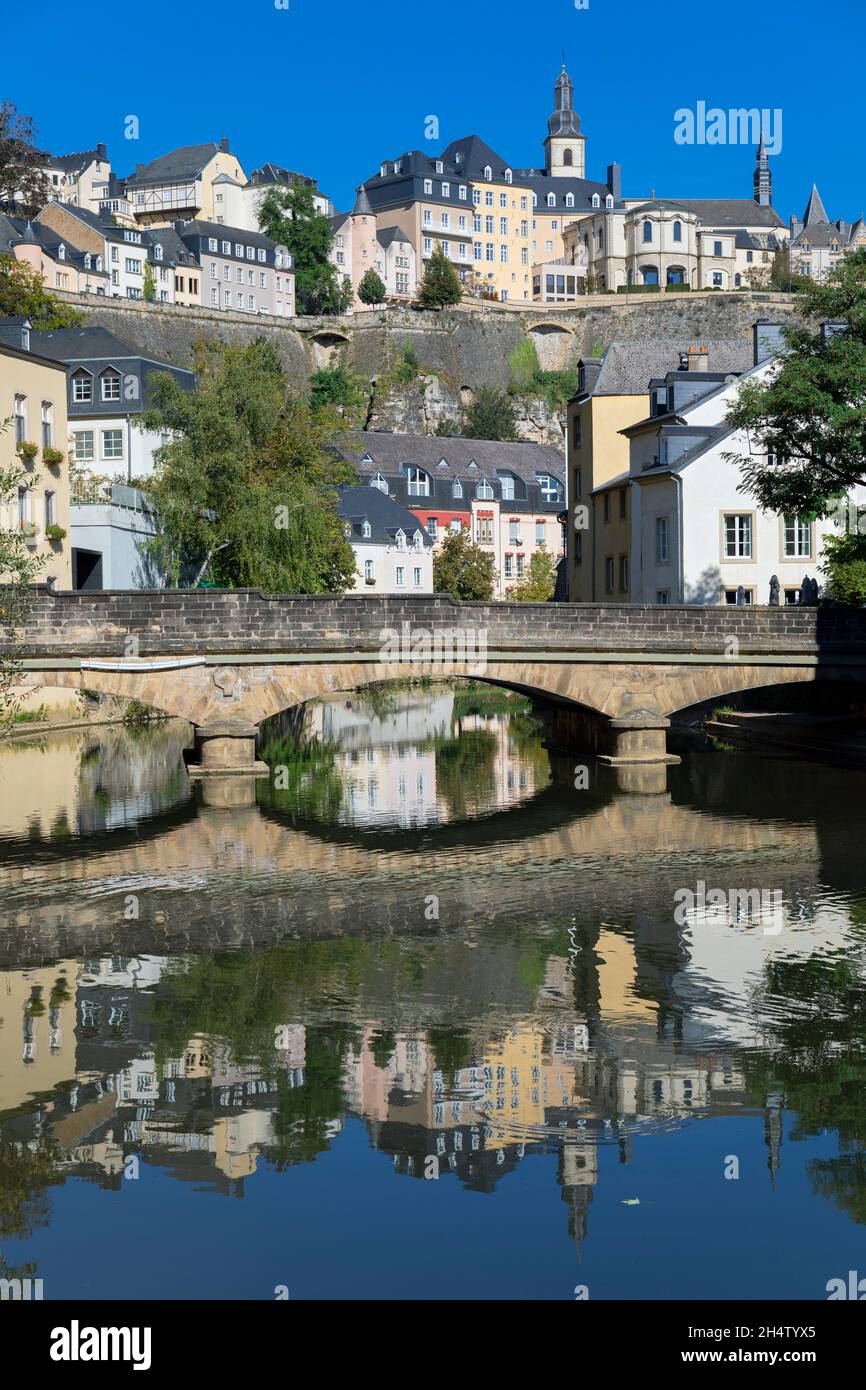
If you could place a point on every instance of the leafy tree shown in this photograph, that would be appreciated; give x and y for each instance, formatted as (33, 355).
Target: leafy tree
(806, 423)
(19, 569)
(845, 568)
(23, 183)
(336, 386)
(149, 290)
(782, 276)
(462, 568)
(371, 289)
(440, 283)
(23, 293)
(290, 217)
(540, 580)
(245, 489)
(490, 416)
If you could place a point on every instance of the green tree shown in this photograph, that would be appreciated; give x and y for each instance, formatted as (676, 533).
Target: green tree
(540, 580)
(805, 425)
(23, 181)
(290, 217)
(845, 568)
(371, 290)
(490, 416)
(23, 293)
(19, 569)
(149, 290)
(245, 491)
(336, 386)
(461, 568)
(440, 283)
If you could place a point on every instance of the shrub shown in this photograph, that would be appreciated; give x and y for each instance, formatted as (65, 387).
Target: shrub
(55, 533)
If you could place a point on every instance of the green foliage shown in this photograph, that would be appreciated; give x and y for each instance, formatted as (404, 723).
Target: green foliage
(137, 713)
(540, 580)
(462, 568)
(845, 568)
(290, 218)
(246, 489)
(22, 293)
(23, 181)
(809, 417)
(490, 416)
(336, 386)
(407, 367)
(525, 366)
(19, 569)
(782, 277)
(149, 290)
(371, 290)
(440, 284)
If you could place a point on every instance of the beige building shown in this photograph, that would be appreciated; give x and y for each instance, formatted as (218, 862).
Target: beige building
(182, 184)
(33, 396)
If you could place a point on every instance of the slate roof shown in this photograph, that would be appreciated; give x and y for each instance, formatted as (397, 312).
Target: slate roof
(386, 517)
(731, 212)
(177, 166)
(95, 349)
(71, 163)
(17, 229)
(628, 364)
(386, 235)
(814, 209)
(78, 344)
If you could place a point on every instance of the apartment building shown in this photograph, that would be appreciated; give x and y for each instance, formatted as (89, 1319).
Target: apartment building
(80, 179)
(60, 263)
(181, 184)
(510, 497)
(236, 201)
(33, 398)
(394, 553)
(240, 270)
(359, 245)
(125, 252)
(817, 244)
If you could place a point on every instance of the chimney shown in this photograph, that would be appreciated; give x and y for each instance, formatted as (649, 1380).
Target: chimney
(224, 144)
(614, 181)
(101, 152)
(179, 226)
(768, 338)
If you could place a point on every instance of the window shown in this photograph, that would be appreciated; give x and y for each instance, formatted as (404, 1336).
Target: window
(212, 243)
(662, 546)
(112, 444)
(484, 489)
(214, 295)
(539, 533)
(798, 538)
(131, 266)
(416, 574)
(731, 597)
(738, 536)
(227, 248)
(82, 446)
(678, 231)
(623, 574)
(647, 231)
(418, 481)
(401, 576)
(551, 489)
(47, 424)
(446, 189)
(366, 531)
(110, 386)
(379, 482)
(432, 525)
(623, 496)
(456, 524)
(428, 186)
(520, 561)
(226, 272)
(609, 574)
(508, 566)
(368, 570)
(457, 488)
(663, 596)
(227, 298)
(717, 248)
(50, 509)
(400, 539)
(607, 506)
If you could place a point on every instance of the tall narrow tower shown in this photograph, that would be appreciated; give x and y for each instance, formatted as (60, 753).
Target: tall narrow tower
(564, 148)
(763, 177)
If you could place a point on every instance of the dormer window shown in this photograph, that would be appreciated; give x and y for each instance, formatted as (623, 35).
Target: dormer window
(608, 202)
(383, 170)
(417, 542)
(488, 172)
(472, 463)
(446, 189)
(110, 386)
(569, 200)
(87, 260)
(596, 200)
(551, 489)
(378, 481)
(157, 252)
(551, 200)
(428, 186)
(418, 483)
(535, 200)
(506, 486)
(400, 539)
(457, 488)
(365, 530)
(508, 176)
(484, 490)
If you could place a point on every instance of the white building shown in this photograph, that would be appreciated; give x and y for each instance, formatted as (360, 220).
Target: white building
(393, 551)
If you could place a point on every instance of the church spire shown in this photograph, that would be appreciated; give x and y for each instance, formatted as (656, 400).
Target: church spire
(564, 120)
(564, 146)
(763, 177)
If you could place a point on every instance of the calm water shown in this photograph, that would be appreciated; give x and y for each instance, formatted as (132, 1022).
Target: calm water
(418, 1021)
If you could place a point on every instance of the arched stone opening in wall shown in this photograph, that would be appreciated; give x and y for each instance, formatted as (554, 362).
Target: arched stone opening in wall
(677, 275)
(649, 274)
(553, 343)
(325, 345)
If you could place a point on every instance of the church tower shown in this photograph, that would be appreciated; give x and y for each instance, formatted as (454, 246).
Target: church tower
(763, 177)
(564, 148)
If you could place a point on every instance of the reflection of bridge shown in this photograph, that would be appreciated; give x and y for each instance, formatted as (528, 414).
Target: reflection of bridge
(227, 659)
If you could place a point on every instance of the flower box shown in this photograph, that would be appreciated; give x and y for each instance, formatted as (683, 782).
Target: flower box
(27, 450)
(53, 456)
(55, 533)
(28, 530)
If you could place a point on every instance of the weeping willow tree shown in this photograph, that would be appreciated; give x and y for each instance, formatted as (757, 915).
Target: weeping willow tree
(245, 490)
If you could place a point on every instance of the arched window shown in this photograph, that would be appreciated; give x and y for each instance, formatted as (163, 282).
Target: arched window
(608, 202)
(551, 490)
(738, 280)
(488, 172)
(508, 176)
(569, 200)
(678, 231)
(157, 252)
(551, 200)
(567, 158)
(647, 231)
(365, 529)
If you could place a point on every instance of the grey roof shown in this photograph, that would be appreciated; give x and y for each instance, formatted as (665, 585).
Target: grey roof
(756, 241)
(362, 202)
(386, 235)
(628, 364)
(814, 209)
(186, 163)
(71, 163)
(199, 228)
(79, 344)
(731, 212)
(94, 349)
(15, 230)
(385, 516)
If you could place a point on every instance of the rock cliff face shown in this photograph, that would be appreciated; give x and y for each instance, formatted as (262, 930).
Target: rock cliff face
(457, 350)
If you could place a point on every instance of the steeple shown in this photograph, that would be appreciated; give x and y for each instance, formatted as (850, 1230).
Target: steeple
(564, 146)
(814, 214)
(763, 177)
(362, 203)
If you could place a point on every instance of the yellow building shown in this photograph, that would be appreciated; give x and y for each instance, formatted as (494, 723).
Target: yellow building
(181, 185)
(35, 442)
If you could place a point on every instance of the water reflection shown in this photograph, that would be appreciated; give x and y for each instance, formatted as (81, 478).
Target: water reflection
(222, 997)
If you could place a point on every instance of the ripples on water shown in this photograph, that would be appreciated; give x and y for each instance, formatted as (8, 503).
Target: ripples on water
(419, 952)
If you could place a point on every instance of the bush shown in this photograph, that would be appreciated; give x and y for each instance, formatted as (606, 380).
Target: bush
(55, 533)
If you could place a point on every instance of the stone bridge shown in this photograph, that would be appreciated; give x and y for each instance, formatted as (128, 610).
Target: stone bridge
(615, 673)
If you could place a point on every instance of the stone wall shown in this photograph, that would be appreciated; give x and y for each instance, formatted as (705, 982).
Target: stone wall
(201, 622)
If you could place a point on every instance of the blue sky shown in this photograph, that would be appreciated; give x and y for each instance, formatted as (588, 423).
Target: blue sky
(332, 88)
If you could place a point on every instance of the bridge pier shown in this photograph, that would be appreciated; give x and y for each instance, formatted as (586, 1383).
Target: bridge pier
(225, 748)
(626, 741)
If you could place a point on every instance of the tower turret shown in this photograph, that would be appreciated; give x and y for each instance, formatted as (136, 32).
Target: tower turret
(564, 147)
